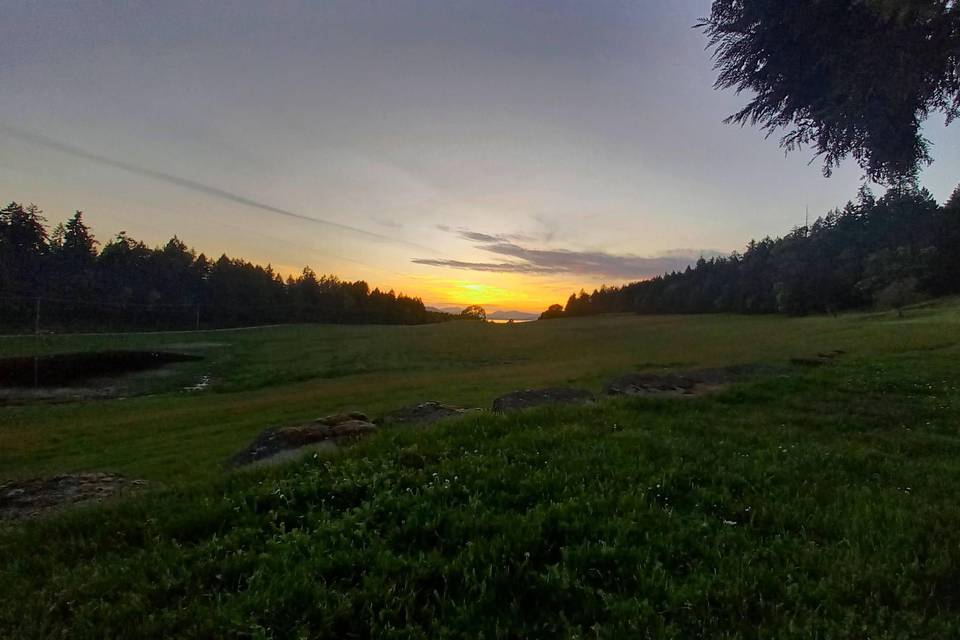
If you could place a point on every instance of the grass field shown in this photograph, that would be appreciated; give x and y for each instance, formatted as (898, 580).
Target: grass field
(816, 504)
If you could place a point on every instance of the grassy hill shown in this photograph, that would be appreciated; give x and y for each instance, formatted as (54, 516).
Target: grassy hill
(817, 503)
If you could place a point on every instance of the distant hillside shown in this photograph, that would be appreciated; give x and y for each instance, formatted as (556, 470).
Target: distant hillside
(512, 315)
(451, 310)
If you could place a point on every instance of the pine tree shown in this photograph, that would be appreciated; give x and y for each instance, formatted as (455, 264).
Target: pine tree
(79, 244)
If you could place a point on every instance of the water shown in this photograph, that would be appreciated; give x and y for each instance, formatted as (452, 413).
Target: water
(63, 369)
(201, 384)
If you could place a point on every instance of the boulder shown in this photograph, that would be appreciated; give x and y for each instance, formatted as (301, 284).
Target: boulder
(330, 430)
(539, 397)
(352, 429)
(339, 418)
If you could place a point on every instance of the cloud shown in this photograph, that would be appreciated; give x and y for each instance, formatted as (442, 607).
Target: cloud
(389, 223)
(476, 236)
(565, 261)
(481, 237)
(499, 267)
(186, 183)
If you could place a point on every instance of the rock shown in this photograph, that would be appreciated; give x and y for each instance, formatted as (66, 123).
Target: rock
(352, 429)
(330, 430)
(423, 413)
(538, 397)
(339, 418)
(642, 384)
(30, 498)
(689, 383)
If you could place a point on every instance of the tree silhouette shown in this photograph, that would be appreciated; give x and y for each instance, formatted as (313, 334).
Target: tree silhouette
(848, 77)
(886, 252)
(474, 312)
(553, 311)
(128, 284)
(23, 248)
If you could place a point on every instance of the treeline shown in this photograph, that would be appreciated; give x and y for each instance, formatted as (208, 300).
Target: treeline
(63, 278)
(887, 253)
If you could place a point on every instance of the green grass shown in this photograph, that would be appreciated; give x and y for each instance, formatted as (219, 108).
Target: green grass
(285, 374)
(817, 504)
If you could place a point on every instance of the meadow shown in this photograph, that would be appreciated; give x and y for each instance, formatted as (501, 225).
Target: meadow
(815, 503)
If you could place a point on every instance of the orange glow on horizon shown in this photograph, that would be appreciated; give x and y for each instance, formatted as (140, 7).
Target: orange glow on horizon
(493, 291)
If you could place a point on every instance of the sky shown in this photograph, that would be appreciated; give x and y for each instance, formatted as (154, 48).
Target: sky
(497, 153)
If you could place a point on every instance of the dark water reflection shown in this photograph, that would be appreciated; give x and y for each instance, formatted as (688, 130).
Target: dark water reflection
(62, 369)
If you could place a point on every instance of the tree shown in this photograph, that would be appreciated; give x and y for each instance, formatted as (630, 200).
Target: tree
(553, 311)
(474, 312)
(898, 294)
(23, 249)
(78, 242)
(887, 251)
(71, 268)
(848, 77)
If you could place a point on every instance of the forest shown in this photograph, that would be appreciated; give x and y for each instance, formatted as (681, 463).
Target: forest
(885, 252)
(64, 279)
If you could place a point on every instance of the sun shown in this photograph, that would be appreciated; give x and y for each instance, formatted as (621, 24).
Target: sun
(503, 291)
(483, 293)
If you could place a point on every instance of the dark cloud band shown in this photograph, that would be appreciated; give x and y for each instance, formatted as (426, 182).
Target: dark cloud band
(186, 183)
(554, 261)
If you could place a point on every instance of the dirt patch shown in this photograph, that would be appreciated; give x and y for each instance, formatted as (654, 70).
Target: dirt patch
(26, 499)
(539, 397)
(77, 369)
(688, 383)
(280, 441)
(423, 413)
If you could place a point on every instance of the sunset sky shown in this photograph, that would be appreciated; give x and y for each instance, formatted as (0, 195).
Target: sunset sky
(500, 153)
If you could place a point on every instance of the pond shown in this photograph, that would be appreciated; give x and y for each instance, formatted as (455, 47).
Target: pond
(65, 369)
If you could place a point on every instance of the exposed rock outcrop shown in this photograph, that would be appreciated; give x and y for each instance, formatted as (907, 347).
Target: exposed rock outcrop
(687, 383)
(24, 499)
(422, 413)
(334, 429)
(539, 397)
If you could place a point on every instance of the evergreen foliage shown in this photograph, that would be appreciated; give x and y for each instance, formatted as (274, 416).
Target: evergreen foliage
(846, 77)
(127, 284)
(884, 252)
